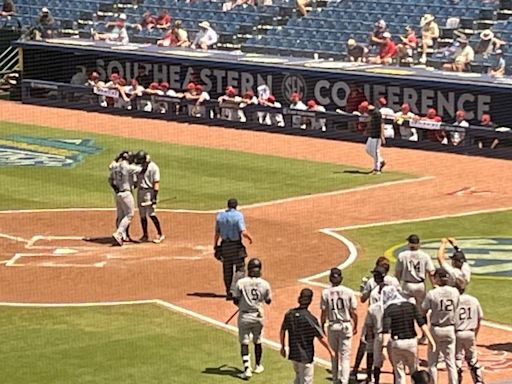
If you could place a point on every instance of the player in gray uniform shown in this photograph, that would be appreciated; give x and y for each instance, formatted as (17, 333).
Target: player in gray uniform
(121, 179)
(467, 324)
(148, 184)
(250, 294)
(338, 304)
(442, 302)
(412, 268)
(458, 268)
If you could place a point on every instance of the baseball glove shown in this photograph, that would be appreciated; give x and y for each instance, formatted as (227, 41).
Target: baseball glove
(217, 253)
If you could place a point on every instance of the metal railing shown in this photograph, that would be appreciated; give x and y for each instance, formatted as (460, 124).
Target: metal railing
(10, 60)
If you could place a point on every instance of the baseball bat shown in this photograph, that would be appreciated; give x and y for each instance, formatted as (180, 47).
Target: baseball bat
(231, 317)
(146, 203)
(453, 245)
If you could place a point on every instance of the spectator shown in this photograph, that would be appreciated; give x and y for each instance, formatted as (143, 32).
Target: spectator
(463, 57)
(498, 68)
(118, 34)
(437, 135)
(271, 118)
(176, 37)
(488, 44)
(458, 135)
(388, 118)
(402, 120)
(8, 8)
(147, 22)
(301, 6)
(206, 37)
(296, 103)
(316, 123)
(408, 46)
(356, 52)
(387, 52)
(229, 104)
(163, 21)
(429, 35)
(228, 5)
(45, 24)
(197, 96)
(377, 36)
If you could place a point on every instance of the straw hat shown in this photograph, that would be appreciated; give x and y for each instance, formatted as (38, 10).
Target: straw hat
(486, 35)
(427, 18)
(204, 24)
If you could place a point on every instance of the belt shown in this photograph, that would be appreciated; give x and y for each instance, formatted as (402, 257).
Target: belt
(339, 322)
(464, 330)
(443, 326)
(232, 241)
(414, 282)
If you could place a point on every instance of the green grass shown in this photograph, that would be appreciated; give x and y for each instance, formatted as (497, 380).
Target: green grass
(139, 344)
(192, 177)
(494, 294)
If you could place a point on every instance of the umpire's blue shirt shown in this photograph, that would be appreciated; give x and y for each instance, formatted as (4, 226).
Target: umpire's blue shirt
(230, 224)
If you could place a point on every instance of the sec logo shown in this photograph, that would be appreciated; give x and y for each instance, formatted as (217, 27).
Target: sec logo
(293, 83)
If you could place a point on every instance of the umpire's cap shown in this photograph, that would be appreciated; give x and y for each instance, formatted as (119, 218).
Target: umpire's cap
(413, 239)
(232, 203)
(306, 296)
(458, 256)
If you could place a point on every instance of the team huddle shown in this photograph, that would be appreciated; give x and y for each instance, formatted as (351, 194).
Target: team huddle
(131, 171)
(449, 318)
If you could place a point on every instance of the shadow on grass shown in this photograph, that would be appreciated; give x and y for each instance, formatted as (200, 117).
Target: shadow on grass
(354, 172)
(223, 370)
(211, 295)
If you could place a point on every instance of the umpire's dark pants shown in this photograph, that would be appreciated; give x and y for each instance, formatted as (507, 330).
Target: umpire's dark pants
(233, 262)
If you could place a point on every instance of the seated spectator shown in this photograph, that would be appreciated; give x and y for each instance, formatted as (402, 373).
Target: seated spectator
(316, 123)
(8, 8)
(356, 52)
(429, 35)
(499, 66)
(245, 5)
(438, 135)
(376, 37)
(228, 5)
(196, 94)
(176, 37)
(457, 136)
(147, 22)
(301, 6)
(117, 35)
(488, 44)
(408, 46)
(206, 37)
(163, 21)
(45, 24)
(402, 120)
(271, 118)
(463, 57)
(296, 103)
(388, 118)
(229, 104)
(387, 51)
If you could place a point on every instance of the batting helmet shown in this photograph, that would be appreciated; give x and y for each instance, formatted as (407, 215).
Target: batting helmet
(254, 267)
(335, 276)
(140, 157)
(124, 155)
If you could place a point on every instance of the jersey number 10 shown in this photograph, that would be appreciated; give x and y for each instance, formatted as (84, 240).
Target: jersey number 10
(337, 305)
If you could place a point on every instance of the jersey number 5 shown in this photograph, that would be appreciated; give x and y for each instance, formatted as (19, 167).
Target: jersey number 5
(255, 295)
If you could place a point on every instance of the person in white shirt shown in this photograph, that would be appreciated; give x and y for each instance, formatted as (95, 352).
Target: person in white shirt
(458, 268)
(206, 37)
(402, 119)
(118, 35)
(317, 123)
(133, 91)
(296, 103)
(196, 93)
(228, 5)
(388, 118)
(457, 136)
(271, 118)
(229, 104)
(247, 99)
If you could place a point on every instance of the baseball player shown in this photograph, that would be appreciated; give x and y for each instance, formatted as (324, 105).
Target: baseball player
(338, 304)
(412, 267)
(468, 317)
(249, 295)
(148, 184)
(459, 267)
(399, 333)
(443, 302)
(121, 179)
(119, 214)
(376, 139)
(230, 229)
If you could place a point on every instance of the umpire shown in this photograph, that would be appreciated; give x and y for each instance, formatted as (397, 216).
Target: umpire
(229, 229)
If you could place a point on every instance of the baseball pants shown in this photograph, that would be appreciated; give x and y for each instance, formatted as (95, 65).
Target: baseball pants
(303, 372)
(465, 349)
(250, 324)
(145, 196)
(445, 341)
(126, 211)
(404, 354)
(415, 291)
(373, 149)
(378, 361)
(339, 336)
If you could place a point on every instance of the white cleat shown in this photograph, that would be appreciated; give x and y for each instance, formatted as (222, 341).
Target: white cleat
(246, 375)
(159, 239)
(118, 239)
(259, 369)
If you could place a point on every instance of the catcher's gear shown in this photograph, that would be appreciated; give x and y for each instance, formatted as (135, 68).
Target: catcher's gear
(254, 267)
(140, 157)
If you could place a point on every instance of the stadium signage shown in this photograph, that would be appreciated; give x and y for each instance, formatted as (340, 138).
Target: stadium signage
(487, 256)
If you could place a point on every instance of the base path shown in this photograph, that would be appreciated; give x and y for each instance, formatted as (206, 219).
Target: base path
(287, 238)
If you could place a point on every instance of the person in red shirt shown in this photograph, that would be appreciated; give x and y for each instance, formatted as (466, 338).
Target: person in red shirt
(163, 21)
(147, 22)
(437, 135)
(354, 98)
(387, 52)
(408, 46)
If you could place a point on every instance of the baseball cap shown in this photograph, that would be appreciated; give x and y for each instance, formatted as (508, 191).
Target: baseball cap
(199, 88)
(153, 86)
(351, 42)
(305, 296)
(191, 86)
(44, 10)
(271, 99)
(386, 35)
(232, 203)
(295, 96)
(164, 85)
(114, 77)
(231, 91)
(335, 272)
(311, 103)
(458, 256)
(380, 270)
(249, 94)
(413, 239)
(442, 273)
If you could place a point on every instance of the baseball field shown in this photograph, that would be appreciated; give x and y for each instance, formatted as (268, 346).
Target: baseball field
(75, 309)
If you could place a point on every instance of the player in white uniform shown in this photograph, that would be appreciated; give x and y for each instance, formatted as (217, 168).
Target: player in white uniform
(467, 324)
(148, 183)
(458, 268)
(442, 302)
(412, 268)
(338, 304)
(250, 294)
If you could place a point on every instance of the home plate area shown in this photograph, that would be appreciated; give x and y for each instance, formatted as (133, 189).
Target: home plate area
(83, 252)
